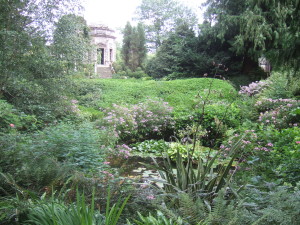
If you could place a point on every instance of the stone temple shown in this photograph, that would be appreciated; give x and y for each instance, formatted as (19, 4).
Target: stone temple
(104, 52)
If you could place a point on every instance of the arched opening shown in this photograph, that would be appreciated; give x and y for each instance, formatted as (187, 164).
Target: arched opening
(100, 56)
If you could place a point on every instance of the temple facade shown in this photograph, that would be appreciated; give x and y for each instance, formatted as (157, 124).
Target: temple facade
(104, 52)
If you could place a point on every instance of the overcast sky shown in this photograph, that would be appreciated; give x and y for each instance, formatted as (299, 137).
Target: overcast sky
(116, 13)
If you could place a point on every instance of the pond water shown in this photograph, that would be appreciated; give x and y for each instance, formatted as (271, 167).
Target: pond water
(139, 168)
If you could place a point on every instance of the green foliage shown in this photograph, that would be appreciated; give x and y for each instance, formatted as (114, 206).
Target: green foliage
(161, 17)
(126, 43)
(159, 219)
(71, 41)
(139, 121)
(278, 24)
(185, 149)
(287, 153)
(279, 86)
(183, 55)
(33, 173)
(90, 113)
(134, 47)
(45, 157)
(176, 56)
(191, 209)
(56, 212)
(31, 78)
(151, 146)
(113, 214)
(258, 28)
(276, 205)
(160, 147)
(194, 211)
(202, 180)
(179, 93)
(138, 74)
(11, 118)
(218, 118)
(279, 112)
(78, 145)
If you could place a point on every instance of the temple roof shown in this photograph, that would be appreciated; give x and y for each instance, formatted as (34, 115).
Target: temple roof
(100, 26)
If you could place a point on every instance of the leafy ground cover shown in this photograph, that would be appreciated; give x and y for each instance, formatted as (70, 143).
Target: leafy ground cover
(180, 94)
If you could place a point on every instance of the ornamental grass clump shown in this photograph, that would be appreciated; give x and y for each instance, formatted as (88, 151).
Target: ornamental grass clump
(140, 121)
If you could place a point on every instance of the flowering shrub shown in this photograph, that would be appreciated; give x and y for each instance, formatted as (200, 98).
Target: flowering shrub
(117, 156)
(281, 112)
(268, 152)
(251, 143)
(69, 106)
(140, 120)
(254, 88)
(123, 151)
(265, 104)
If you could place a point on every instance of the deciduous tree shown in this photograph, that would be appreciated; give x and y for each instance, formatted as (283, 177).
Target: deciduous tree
(160, 17)
(30, 76)
(71, 40)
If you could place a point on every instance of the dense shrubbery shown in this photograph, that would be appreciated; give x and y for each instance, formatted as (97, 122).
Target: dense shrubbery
(59, 138)
(140, 121)
(244, 148)
(38, 159)
(12, 118)
(281, 113)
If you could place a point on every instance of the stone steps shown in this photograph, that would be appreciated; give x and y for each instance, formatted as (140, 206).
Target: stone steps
(104, 72)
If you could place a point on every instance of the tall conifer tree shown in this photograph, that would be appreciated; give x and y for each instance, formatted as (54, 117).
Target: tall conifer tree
(127, 43)
(142, 49)
(134, 46)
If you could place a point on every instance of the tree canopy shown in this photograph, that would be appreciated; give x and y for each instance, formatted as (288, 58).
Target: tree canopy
(235, 33)
(134, 46)
(71, 40)
(262, 28)
(160, 17)
(30, 76)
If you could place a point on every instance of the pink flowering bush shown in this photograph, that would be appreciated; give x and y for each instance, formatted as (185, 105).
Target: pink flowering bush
(278, 112)
(117, 156)
(123, 151)
(140, 121)
(251, 143)
(265, 104)
(254, 88)
(267, 151)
